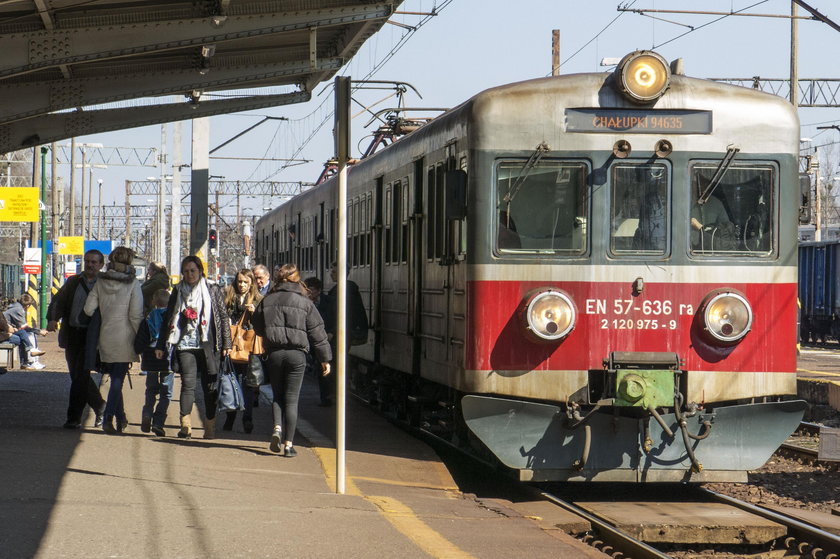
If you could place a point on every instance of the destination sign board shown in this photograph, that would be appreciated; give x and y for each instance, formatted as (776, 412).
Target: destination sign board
(667, 121)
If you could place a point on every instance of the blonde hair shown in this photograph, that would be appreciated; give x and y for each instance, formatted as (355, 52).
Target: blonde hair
(121, 255)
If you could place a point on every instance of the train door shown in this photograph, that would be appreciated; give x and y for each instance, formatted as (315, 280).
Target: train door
(415, 267)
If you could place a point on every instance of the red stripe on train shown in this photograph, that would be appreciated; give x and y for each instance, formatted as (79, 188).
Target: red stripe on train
(664, 317)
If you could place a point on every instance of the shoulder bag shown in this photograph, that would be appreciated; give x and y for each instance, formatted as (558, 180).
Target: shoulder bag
(230, 392)
(245, 342)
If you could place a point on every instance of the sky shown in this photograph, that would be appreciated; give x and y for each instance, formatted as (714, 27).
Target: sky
(473, 45)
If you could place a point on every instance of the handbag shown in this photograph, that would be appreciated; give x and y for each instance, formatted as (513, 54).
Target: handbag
(255, 373)
(245, 342)
(230, 392)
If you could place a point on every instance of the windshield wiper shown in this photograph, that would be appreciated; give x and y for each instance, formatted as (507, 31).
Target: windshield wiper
(524, 172)
(725, 163)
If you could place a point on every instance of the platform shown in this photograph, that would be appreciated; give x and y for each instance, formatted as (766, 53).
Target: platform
(83, 493)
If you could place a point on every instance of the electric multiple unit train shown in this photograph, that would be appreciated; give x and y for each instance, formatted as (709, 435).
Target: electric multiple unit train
(590, 277)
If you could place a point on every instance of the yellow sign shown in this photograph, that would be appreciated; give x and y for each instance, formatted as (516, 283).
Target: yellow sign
(19, 203)
(71, 245)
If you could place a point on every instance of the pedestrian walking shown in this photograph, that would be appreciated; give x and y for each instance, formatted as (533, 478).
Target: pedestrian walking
(157, 278)
(263, 279)
(241, 300)
(321, 302)
(197, 329)
(119, 299)
(291, 327)
(67, 307)
(159, 376)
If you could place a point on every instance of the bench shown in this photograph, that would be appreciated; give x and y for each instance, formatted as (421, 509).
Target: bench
(7, 355)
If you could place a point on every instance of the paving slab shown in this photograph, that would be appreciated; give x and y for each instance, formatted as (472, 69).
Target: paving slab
(686, 523)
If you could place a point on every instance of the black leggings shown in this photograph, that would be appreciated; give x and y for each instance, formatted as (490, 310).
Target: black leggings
(285, 368)
(193, 363)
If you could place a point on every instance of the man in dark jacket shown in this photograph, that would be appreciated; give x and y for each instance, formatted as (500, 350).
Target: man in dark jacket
(67, 306)
(157, 278)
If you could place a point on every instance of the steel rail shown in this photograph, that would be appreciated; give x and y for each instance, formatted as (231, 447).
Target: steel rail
(620, 541)
(827, 541)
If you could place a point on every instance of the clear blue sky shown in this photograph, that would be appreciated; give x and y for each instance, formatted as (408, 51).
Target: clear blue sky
(476, 44)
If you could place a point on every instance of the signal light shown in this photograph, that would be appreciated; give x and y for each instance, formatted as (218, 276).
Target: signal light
(212, 239)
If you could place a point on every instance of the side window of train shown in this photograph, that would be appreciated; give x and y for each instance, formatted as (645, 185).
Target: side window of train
(404, 212)
(541, 208)
(396, 221)
(640, 209)
(430, 213)
(386, 213)
(735, 215)
(440, 211)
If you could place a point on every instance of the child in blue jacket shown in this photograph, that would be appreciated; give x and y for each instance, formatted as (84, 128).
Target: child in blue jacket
(159, 376)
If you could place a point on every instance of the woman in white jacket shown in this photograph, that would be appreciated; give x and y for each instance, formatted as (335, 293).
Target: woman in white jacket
(118, 297)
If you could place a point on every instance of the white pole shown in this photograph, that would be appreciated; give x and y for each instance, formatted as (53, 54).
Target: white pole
(175, 221)
(342, 126)
(161, 216)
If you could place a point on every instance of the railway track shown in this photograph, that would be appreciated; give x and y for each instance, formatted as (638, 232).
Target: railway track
(801, 539)
(804, 444)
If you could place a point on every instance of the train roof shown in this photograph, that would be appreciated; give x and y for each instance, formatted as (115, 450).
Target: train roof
(757, 122)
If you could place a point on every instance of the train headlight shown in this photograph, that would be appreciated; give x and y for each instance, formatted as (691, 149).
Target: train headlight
(550, 315)
(727, 316)
(643, 76)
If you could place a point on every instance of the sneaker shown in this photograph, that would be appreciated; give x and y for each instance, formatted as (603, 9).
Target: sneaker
(37, 352)
(34, 367)
(100, 414)
(122, 424)
(247, 425)
(158, 431)
(72, 424)
(290, 452)
(146, 424)
(276, 444)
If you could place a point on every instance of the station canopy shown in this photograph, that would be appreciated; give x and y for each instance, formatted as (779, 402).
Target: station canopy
(76, 67)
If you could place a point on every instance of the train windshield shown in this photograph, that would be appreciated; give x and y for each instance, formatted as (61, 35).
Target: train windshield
(542, 207)
(640, 209)
(733, 216)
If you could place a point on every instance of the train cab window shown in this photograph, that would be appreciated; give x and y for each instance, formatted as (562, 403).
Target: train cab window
(542, 208)
(640, 209)
(733, 216)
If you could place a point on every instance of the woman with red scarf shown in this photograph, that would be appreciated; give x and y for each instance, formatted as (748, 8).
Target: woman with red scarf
(197, 331)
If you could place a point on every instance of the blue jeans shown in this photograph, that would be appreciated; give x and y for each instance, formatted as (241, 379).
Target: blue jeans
(114, 406)
(24, 342)
(158, 384)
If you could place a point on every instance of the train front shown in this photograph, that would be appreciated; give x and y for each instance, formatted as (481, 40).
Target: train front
(632, 286)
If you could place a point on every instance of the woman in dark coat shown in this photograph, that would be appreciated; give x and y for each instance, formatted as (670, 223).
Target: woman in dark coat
(196, 326)
(291, 327)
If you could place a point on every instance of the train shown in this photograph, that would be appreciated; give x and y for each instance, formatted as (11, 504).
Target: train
(589, 277)
(819, 292)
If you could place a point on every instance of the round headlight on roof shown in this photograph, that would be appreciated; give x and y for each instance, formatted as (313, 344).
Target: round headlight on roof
(643, 76)
(550, 315)
(727, 316)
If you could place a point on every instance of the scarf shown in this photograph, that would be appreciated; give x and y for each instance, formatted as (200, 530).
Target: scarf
(198, 300)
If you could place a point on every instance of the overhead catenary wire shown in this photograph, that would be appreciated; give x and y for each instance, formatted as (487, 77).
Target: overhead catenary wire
(325, 107)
